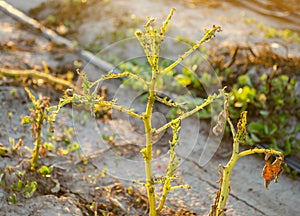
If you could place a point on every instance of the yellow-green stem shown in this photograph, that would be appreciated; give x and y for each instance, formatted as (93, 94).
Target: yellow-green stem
(207, 36)
(166, 190)
(148, 164)
(36, 151)
(36, 74)
(119, 108)
(260, 151)
(225, 189)
(208, 101)
(148, 150)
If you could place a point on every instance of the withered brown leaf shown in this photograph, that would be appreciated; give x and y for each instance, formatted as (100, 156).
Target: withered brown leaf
(272, 171)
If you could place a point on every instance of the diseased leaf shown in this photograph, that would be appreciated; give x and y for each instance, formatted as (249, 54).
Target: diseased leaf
(241, 126)
(272, 171)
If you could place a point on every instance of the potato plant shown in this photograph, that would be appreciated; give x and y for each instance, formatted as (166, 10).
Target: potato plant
(150, 41)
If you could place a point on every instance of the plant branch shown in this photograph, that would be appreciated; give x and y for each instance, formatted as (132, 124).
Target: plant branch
(208, 101)
(111, 75)
(207, 36)
(260, 151)
(120, 108)
(172, 166)
(35, 74)
(238, 137)
(170, 102)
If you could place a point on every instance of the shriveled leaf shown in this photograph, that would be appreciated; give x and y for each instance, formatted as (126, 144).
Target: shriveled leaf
(241, 126)
(218, 129)
(272, 171)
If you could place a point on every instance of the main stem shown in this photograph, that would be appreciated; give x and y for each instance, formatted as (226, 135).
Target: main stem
(225, 189)
(38, 144)
(148, 154)
(225, 185)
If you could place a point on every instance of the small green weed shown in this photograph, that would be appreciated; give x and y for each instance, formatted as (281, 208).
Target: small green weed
(285, 34)
(12, 199)
(29, 189)
(46, 171)
(24, 188)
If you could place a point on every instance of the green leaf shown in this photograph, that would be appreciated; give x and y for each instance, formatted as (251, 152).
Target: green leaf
(257, 128)
(183, 80)
(74, 147)
(264, 113)
(3, 150)
(29, 189)
(245, 80)
(273, 129)
(263, 77)
(255, 138)
(26, 120)
(204, 114)
(288, 146)
(45, 171)
(12, 199)
(17, 186)
(49, 146)
(266, 129)
(284, 78)
(296, 128)
(52, 108)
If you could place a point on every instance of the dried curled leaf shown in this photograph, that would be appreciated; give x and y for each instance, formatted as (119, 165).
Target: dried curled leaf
(272, 171)
(218, 129)
(241, 126)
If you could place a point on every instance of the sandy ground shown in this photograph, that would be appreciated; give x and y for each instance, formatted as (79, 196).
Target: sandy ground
(248, 195)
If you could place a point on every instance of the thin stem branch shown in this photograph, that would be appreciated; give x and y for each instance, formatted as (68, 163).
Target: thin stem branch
(172, 166)
(110, 104)
(35, 74)
(121, 109)
(112, 75)
(260, 151)
(166, 22)
(231, 127)
(207, 36)
(235, 145)
(170, 102)
(208, 101)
